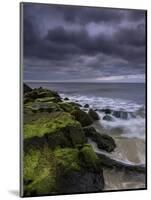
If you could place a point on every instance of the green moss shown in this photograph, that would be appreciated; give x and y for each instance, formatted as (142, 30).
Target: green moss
(89, 157)
(35, 107)
(48, 125)
(39, 172)
(67, 159)
(67, 107)
(45, 168)
(47, 99)
(82, 117)
(40, 93)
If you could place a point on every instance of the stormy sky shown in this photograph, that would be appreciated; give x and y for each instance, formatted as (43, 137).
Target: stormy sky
(68, 43)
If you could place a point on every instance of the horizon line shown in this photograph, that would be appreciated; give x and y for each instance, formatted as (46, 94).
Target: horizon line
(47, 81)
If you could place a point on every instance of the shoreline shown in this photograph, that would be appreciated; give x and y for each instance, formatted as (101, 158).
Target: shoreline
(43, 103)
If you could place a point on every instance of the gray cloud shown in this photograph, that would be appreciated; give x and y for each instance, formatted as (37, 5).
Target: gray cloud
(59, 43)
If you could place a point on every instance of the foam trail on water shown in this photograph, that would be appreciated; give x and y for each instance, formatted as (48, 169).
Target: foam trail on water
(132, 127)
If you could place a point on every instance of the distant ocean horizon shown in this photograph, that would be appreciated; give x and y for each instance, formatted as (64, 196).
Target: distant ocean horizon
(134, 92)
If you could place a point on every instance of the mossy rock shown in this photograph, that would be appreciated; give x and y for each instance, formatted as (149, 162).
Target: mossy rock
(104, 142)
(48, 99)
(93, 114)
(48, 125)
(39, 172)
(89, 157)
(79, 171)
(40, 93)
(59, 129)
(67, 107)
(82, 117)
(61, 171)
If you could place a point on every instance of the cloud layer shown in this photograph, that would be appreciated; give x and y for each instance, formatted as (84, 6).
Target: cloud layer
(81, 43)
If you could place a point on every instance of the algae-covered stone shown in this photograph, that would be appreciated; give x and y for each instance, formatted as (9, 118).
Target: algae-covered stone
(103, 141)
(59, 129)
(48, 99)
(67, 107)
(61, 170)
(82, 117)
(79, 171)
(39, 173)
(40, 93)
(89, 157)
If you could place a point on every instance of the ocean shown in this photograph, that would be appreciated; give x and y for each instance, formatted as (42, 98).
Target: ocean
(129, 134)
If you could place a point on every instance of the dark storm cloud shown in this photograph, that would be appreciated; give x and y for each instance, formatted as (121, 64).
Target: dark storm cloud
(58, 42)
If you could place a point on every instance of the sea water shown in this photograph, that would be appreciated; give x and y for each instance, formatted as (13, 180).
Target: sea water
(129, 134)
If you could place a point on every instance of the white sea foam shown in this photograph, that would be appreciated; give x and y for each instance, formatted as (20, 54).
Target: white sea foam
(132, 127)
(102, 102)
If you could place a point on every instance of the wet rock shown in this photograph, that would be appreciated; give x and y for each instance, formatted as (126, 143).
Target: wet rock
(40, 93)
(93, 114)
(120, 114)
(62, 170)
(106, 111)
(59, 129)
(66, 98)
(82, 117)
(104, 142)
(108, 118)
(86, 106)
(112, 163)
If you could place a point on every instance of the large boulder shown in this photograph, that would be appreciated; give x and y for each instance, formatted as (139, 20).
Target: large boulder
(86, 175)
(82, 117)
(86, 105)
(62, 171)
(106, 110)
(40, 93)
(120, 114)
(93, 114)
(57, 129)
(67, 107)
(108, 118)
(103, 141)
(35, 107)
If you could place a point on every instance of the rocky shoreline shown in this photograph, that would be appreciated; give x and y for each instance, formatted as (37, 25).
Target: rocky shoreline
(57, 156)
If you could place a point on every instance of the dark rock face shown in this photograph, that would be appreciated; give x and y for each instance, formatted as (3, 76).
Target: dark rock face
(86, 106)
(104, 142)
(106, 111)
(66, 98)
(81, 182)
(120, 114)
(26, 88)
(93, 114)
(108, 118)
(40, 93)
(82, 117)
(111, 163)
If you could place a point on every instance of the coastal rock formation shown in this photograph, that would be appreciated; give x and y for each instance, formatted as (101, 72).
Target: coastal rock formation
(57, 158)
(63, 170)
(82, 117)
(104, 142)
